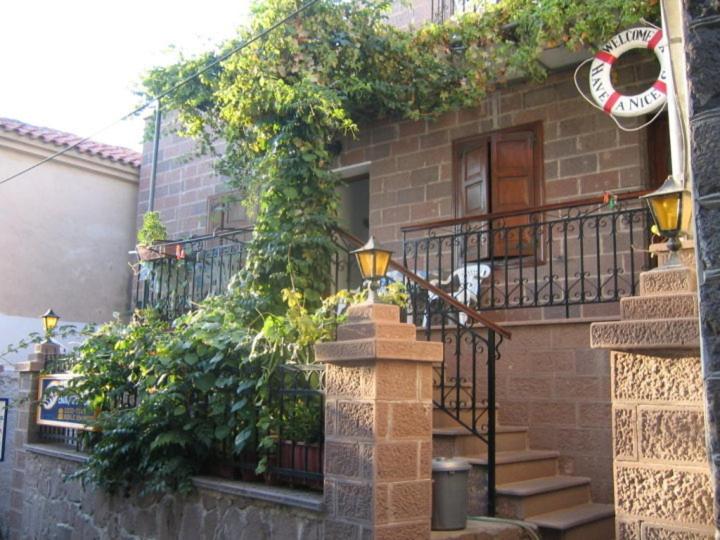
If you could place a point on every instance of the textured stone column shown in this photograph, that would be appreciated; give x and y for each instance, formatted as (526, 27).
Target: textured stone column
(662, 477)
(26, 431)
(378, 427)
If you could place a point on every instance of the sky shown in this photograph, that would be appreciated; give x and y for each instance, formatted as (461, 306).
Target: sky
(73, 65)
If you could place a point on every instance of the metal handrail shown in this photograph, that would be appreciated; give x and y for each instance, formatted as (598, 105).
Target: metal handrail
(425, 284)
(492, 216)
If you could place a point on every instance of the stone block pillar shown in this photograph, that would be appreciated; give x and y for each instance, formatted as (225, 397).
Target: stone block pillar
(378, 427)
(26, 430)
(661, 473)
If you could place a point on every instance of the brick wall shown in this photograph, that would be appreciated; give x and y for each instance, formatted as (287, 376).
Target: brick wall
(584, 152)
(184, 183)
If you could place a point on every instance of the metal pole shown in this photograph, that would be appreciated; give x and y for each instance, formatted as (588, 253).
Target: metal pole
(676, 139)
(491, 423)
(156, 148)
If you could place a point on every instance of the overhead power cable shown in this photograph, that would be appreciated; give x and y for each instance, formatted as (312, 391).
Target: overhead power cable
(156, 99)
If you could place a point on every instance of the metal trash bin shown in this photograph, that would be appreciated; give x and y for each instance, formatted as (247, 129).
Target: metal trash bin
(449, 494)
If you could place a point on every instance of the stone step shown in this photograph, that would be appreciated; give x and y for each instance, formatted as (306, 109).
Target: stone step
(661, 281)
(519, 500)
(679, 305)
(519, 465)
(646, 335)
(458, 441)
(591, 521)
(443, 419)
(482, 530)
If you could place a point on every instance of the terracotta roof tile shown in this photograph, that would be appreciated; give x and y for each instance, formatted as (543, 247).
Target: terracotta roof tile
(61, 138)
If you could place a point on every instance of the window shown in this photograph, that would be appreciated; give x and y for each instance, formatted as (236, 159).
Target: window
(226, 211)
(501, 172)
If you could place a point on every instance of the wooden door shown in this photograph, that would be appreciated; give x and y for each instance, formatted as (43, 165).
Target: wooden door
(512, 188)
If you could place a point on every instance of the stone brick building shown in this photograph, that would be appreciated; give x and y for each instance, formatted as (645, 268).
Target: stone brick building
(553, 389)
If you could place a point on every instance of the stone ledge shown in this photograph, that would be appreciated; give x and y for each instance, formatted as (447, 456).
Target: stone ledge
(285, 496)
(379, 349)
(279, 495)
(664, 334)
(667, 281)
(676, 305)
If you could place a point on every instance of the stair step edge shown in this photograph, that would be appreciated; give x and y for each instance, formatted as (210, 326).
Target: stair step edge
(461, 431)
(513, 456)
(544, 484)
(574, 516)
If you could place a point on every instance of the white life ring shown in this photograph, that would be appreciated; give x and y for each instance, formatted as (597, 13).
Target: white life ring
(603, 92)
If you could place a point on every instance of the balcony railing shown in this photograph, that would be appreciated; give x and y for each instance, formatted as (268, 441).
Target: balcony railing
(194, 269)
(554, 256)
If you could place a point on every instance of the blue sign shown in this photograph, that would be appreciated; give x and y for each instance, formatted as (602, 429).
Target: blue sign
(3, 425)
(54, 409)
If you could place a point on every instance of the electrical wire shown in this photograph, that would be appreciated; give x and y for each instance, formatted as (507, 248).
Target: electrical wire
(166, 93)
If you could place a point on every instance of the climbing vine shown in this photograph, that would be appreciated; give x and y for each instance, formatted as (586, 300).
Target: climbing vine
(273, 115)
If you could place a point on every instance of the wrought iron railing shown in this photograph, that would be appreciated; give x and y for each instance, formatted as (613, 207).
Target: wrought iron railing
(190, 271)
(589, 252)
(444, 9)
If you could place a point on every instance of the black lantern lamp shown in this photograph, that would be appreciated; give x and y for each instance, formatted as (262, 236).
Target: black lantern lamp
(373, 262)
(49, 321)
(666, 205)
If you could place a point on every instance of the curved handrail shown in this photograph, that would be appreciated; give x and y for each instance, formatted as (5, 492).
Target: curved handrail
(412, 276)
(513, 213)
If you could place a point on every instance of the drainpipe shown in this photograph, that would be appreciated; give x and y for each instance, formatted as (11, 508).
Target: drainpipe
(701, 27)
(677, 150)
(156, 148)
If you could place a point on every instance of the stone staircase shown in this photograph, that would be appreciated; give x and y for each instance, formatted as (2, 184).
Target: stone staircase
(528, 484)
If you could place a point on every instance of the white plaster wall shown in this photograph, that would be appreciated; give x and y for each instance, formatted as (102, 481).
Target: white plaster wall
(65, 231)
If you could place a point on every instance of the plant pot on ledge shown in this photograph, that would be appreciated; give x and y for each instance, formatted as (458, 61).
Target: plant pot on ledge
(156, 251)
(301, 457)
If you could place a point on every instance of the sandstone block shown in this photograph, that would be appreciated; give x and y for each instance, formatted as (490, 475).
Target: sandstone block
(355, 419)
(342, 458)
(646, 335)
(625, 432)
(655, 531)
(352, 382)
(375, 348)
(396, 460)
(627, 529)
(404, 531)
(373, 312)
(397, 381)
(410, 420)
(679, 305)
(660, 281)
(675, 435)
(354, 500)
(386, 330)
(650, 378)
(680, 495)
(410, 500)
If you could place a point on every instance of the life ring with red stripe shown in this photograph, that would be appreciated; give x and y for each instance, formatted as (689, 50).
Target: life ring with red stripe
(603, 92)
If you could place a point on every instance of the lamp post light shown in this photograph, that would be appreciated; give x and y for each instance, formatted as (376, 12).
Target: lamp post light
(49, 322)
(373, 262)
(666, 205)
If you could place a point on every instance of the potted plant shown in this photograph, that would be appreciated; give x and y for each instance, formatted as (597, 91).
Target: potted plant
(300, 445)
(150, 239)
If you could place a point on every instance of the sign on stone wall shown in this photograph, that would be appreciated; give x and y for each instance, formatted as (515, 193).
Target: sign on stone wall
(3, 425)
(57, 410)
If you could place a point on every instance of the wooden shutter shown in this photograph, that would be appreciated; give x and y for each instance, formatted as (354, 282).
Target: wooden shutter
(512, 187)
(473, 179)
